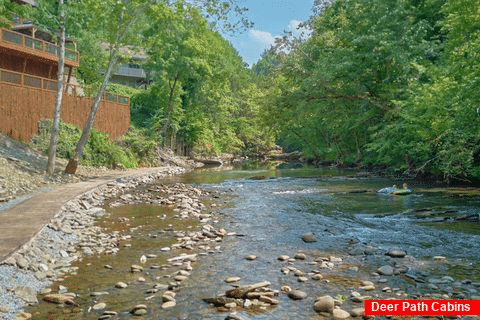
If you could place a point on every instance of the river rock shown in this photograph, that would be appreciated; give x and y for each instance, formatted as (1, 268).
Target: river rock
(167, 297)
(231, 305)
(300, 256)
(136, 268)
(340, 314)
(296, 294)
(396, 253)
(26, 294)
(121, 285)
(285, 289)
(357, 312)
(169, 304)
(283, 258)
(324, 304)
(22, 263)
(232, 279)
(58, 298)
(309, 237)
(139, 310)
(233, 316)
(317, 276)
(385, 270)
(99, 306)
(251, 257)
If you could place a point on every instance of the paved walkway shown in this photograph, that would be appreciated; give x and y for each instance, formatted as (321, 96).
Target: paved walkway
(19, 224)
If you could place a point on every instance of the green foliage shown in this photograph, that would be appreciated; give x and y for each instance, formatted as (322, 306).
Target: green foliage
(9, 10)
(345, 90)
(68, 136)
(100, 150)
(202, 97)
(143, 146)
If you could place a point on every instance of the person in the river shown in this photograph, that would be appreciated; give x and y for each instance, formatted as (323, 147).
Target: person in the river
(406, 188)
(404, 191)
(388, 190)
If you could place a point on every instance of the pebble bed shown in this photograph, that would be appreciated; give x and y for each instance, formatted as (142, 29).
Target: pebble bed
(70, 235)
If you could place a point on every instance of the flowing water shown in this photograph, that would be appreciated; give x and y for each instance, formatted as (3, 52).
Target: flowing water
(271, 208)
(341, 208)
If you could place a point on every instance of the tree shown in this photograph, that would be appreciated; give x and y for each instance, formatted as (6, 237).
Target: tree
(52, 150)
(117, 23)
(341, 86)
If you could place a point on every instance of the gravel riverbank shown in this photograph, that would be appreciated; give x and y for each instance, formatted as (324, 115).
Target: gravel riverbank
(69, 236)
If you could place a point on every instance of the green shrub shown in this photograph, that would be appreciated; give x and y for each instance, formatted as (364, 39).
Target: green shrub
(143, 146)
(100, 150)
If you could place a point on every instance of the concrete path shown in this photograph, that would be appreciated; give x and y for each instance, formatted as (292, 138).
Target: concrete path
(20, 223)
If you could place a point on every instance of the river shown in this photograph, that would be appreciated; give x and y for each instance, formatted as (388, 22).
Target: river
(270, 208)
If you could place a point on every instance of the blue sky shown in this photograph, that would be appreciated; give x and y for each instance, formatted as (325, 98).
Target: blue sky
(270, 18)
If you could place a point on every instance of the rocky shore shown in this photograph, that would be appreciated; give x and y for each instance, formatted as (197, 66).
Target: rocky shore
(71, 235)
(328, 285)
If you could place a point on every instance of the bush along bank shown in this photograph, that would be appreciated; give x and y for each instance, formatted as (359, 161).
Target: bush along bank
(73, 234)
(135, 150)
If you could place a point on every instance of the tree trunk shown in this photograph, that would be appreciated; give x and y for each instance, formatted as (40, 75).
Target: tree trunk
(73, 162)
(169, 114)
(52, 150)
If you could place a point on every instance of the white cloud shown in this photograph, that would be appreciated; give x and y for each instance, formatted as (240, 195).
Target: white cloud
(293, 25)
(265, 38)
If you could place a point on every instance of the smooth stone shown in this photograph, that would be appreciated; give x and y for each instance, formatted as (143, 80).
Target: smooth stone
(396, 253)
(385, 270)
(233, 316)
(324, 304)
(296, 294)
(300, 256)
(232, 279)
(26, 294)
(121, 285)
(169, 304)
(309, 237)
(22, 263)
(99, 306)
(283, 258)
(302, 279)
(167, 297)
(58, 298)
(251, 257)
(285, 289)
(340, 314)
(139, 312)
(139, 309)
(317, 277)
(230, 305)
(357, 312)
(180, 278)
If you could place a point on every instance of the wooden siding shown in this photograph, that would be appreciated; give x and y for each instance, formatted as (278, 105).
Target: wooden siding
(25, 100)
(25, 45)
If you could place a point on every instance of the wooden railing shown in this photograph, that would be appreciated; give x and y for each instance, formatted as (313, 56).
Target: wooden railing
(38, 45)
(26, 80)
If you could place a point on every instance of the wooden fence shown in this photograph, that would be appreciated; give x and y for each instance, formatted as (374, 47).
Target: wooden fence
(25, 100)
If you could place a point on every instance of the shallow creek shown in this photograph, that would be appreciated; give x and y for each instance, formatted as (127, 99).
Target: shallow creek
(269, 209)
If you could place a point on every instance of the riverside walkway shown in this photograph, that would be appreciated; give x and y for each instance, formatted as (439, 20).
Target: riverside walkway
(21, 222)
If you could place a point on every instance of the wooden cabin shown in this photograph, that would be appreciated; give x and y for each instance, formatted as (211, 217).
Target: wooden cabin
(28, 84)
